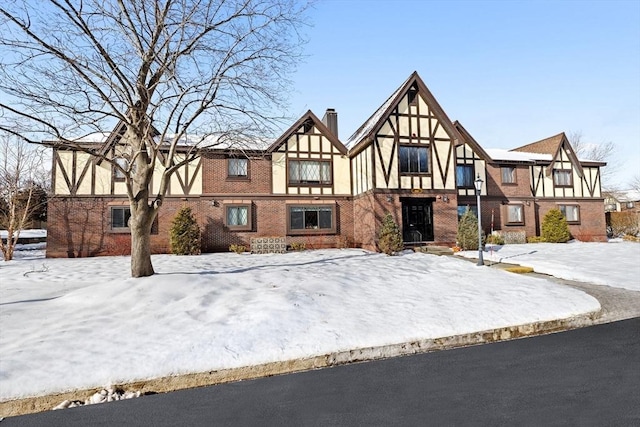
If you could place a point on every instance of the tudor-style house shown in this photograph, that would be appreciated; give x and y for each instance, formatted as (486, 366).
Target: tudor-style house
(309, 187)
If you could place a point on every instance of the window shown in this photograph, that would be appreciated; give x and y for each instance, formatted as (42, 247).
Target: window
(464, 176)
(630, 205)
(562, 177)
(311, 219)
(237, 168)
(308, 126)
(515, 214)
(120, 216)
(414, 159)
(571, 213)
(117, 173)
(508, 175)
(413, 99)
(238, 217)
(463, 209)
(309, 172)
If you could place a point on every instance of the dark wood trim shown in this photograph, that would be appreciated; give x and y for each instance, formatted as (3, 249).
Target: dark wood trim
(74, 165)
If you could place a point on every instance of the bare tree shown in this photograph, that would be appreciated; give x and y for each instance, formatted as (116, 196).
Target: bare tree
(180, 74)
(603, 152)
(22, 175)
(635, 183)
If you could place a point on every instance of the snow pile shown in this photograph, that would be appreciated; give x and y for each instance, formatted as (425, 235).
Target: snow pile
(31, 233)
(103, 396)
(615, 263)
(220, 311)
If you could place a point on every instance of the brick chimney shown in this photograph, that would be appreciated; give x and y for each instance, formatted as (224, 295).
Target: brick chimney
(330, 120)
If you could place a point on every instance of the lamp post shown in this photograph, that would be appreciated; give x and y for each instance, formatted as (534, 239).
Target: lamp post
(478, 183)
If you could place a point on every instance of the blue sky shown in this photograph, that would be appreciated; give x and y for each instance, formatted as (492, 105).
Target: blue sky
(512, 72)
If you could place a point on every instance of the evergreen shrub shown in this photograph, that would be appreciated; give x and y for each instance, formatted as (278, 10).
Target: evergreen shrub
(185, 233)
(390, 237)
(468, 231)
(555, 228)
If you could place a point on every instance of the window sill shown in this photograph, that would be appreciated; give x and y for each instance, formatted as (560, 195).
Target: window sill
(120, 231)
(311, 231)
(514, 223)
(238, 227)
(310, 184)
(238, 178)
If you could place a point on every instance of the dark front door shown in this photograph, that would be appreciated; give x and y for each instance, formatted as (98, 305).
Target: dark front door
(417, 220)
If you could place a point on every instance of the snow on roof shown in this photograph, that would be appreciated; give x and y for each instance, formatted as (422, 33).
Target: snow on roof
(628, 196)
(518, 156)
(220, 141)
(374, 119)
(95, 137)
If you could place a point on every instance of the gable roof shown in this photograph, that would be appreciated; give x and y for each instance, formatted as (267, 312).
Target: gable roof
(324, 130)
(466, 137)
(365, 133)
(552, 145)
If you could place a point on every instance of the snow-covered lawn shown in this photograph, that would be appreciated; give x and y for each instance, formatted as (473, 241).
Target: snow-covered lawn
(616, 263)
(82, 323)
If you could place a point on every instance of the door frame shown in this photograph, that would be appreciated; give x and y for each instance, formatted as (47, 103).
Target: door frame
(426, 230)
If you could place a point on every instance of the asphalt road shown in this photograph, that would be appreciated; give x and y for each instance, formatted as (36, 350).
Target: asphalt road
(585, 377)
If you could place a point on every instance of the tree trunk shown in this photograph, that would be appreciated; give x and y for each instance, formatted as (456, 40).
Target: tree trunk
(141, 242)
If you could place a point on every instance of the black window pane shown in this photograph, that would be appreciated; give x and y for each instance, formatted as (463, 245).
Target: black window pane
(120, 217)
(422, 157)
(297, 219)
(404, 159)
(311, 219)
(325, 218)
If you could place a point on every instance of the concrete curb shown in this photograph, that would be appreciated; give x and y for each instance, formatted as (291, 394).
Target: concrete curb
(167, 384)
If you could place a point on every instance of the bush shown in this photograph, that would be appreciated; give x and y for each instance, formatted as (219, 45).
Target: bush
(468, 232)
(238, 248)
(555, 228)
(624, 223)
(630, 238)
(495, 239)
(535, 239)
(297, 246)
(185, 233)
(390, 238)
